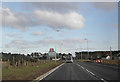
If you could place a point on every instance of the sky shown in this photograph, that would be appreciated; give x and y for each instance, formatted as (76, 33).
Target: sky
(65, 26)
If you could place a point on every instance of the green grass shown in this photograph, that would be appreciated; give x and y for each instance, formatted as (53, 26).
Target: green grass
(83, 60)
(115, 62)
(27, 73)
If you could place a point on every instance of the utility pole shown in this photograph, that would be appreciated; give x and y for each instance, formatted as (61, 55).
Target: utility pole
(81, 54)
(55, 47)
(61, 48)
(87, 47)
(110, 52)
(55, 52)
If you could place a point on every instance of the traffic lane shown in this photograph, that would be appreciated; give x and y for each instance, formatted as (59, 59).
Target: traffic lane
(104, 71)
(107, 66)
(70, 71)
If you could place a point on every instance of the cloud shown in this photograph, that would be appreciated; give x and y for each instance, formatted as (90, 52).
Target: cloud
(9, 19)
(48, 37)
(20, 44)
(16, 19)
(11, 36)
(38, 33)
(71, 20)
(60, 7)
(23, 44)
(106, 6)
(38, 17)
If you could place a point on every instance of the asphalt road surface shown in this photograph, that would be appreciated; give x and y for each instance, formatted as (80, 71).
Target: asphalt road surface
(84, 71)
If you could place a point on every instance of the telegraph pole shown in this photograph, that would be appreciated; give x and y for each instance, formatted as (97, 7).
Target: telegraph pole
(55, 47)
(81, 54)
(87, 47)
(110, 52)
(55, 51)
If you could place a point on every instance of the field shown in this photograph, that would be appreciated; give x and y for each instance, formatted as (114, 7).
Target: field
(29, 72)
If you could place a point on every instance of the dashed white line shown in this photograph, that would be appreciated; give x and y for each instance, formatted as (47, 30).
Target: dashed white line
(81, 66)
(87, 70)
(103, 80)
(92, 73)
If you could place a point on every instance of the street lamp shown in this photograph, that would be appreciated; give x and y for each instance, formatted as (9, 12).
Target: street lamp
(61, 47)
(87, 47)
(55, 51)
(55, 47)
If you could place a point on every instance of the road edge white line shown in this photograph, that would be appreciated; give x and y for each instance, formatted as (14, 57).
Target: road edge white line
(46, 74)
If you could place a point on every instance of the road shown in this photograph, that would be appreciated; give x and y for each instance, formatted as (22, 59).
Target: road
(84, 71)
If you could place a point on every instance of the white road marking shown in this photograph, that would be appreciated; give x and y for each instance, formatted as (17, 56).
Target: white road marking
(46, 74)
(103, 80)
(82, 67)
(92, 73)
(87, 70)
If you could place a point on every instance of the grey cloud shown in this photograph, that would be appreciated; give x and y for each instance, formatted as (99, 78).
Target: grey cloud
(23, 44)
(106, 6)
(71, 20)
(16, 19)
(20, 44)
(48, 37)
(61, 7)
(38, 33)
(12, 36)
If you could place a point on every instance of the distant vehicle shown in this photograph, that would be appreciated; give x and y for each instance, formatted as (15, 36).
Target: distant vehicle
(69, 60)
(99, 61)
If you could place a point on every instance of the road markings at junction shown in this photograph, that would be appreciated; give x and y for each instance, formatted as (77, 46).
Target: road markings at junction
(46, 74)
(92, 73)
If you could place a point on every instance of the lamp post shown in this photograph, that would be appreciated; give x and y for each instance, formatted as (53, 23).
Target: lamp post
(55, 51)
(61, 48)
(55, 47)
(87, 47)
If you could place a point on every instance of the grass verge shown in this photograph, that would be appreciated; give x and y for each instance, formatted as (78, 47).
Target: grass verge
(83, 60)
(111, 62)
(28, 73)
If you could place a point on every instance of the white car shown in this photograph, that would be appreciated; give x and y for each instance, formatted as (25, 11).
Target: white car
(69, 60)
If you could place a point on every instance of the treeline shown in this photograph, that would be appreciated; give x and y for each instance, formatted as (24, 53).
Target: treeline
(21, 59)
(97, 54)
(16, 59)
